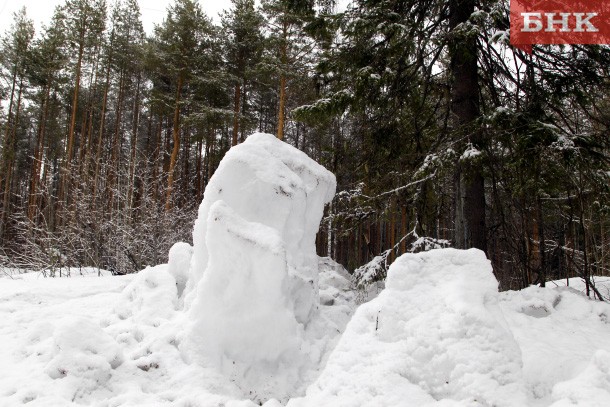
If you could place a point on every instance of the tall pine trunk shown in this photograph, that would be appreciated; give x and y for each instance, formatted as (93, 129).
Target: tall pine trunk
(38, 155)
(70, 147)
(236, 109)
(134, 143)
(115, 157)
(284, 61)
(100, 137)
(9, 165)
(4, 166)
(176, 149)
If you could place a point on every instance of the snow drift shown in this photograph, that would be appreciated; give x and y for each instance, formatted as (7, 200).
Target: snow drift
(253, 285)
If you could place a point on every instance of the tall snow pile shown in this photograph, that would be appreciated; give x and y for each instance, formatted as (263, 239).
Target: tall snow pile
(436, 333)
(254, 269)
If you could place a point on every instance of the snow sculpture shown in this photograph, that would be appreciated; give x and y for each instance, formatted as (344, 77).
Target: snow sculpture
(254, 271)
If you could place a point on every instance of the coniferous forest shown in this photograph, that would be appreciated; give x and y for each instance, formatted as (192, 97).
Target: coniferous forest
(440, 133)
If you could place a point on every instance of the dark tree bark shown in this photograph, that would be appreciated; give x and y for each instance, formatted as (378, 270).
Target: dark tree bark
(470, 228)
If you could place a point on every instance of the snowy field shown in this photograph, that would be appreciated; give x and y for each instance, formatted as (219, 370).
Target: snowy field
(249, 315)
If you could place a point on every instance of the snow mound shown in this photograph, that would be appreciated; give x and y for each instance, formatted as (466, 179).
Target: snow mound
(253, 283)
(150, 298)
(84, 355)
(179, 263)
(434, 334)
(559, 329)
(591, 388)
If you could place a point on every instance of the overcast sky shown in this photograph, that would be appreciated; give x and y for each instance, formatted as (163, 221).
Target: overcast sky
(153, 11)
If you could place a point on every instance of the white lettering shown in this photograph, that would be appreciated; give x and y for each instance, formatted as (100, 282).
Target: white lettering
(580, 22)
(563, 21)
(531, 25)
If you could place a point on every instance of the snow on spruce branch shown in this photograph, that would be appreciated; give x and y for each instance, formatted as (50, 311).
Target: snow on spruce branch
(376, 269)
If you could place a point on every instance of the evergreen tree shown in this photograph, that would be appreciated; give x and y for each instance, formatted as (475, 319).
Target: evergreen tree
(16, 51)
(180, 42)
(48, 60)
(290, 49)
(243, 46)
(470, 211)
(85, 23)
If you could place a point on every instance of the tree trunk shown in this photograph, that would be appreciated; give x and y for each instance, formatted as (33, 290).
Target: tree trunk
(115, 156)
(100, 137)
(186, 170)
(541, 244)
(236, 109)
(284, 60)
(155, 163)
(4, 166)
(176, 149)
(38, 154)
(134, 142)
(470, 227)
(70, 147)
(87, 124)
(8, 180)
(199, 171)
(403, 229)
(392, 231)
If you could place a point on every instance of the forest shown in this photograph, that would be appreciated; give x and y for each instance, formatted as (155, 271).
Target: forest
(439, 131)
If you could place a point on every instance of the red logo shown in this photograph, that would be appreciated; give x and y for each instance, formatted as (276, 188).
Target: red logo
(559, 22)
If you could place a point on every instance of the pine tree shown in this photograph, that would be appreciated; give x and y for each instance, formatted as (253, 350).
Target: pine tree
(16, 57)
(243, 47)
(48, 59)
(85, 24)
(180, 42)
(290, 48)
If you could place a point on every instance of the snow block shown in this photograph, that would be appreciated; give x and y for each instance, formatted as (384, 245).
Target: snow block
(267, 181)
(253, 319)
(435, 335)
(253, 283)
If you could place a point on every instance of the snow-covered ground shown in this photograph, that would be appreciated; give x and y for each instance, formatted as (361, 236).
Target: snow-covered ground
(249, 315)
(114, 341)
(432, 338)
